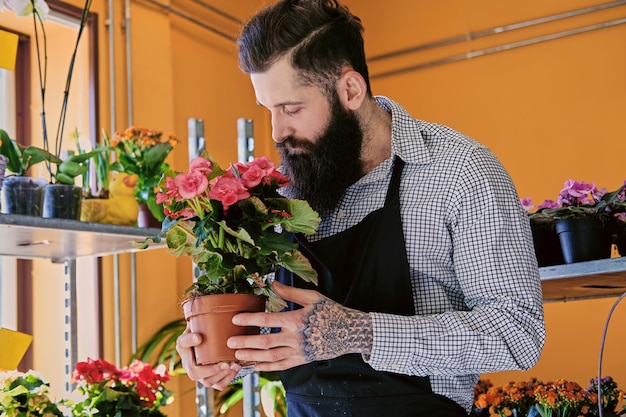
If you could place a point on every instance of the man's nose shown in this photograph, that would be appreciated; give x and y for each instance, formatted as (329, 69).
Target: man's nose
(280, 129)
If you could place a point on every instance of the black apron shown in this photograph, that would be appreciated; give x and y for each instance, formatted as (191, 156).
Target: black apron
(364, 267)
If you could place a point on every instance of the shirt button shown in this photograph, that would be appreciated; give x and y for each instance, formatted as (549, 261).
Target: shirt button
(395, 366)
(341, 214)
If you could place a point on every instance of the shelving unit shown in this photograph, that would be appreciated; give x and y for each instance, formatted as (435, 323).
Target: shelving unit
(584, 280)
(64, 241)
(60, 240)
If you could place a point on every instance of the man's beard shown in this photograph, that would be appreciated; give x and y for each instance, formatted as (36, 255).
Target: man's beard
(325, 169)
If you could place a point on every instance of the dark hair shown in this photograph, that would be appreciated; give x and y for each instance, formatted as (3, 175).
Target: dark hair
(321, 37)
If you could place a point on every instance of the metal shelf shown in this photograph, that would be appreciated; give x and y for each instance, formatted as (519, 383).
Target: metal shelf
(31, 237)
(584, 280)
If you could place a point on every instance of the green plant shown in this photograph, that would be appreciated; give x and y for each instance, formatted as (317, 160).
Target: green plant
(142, 152)
(226, 221)
(27, 395)
(271, 391)
(39, 10)
(22, 158)
(108, 391)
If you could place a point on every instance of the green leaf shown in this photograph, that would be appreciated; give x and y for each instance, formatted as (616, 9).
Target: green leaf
(299, 265)
(304, 219)
(9, 148)
(63, 178)
(154, 157)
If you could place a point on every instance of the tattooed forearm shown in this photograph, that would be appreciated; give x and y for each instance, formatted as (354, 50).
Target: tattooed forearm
(331, 330)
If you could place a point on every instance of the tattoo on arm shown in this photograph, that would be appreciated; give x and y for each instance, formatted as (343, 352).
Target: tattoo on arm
(331, 330)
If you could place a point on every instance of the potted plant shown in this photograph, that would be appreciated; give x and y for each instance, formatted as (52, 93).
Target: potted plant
(113, 201)
(22, 194)
(227, 222)
(142, 152)
(26, 394)
(584, 220)
(63, 198)
(620, 221)
(160, 348)
(104, 390)
(39, 10)
(545, 239)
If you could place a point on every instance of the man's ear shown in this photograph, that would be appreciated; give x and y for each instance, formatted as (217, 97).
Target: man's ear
(352, 89)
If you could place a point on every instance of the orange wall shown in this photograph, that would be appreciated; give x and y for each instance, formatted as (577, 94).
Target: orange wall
(550, 112)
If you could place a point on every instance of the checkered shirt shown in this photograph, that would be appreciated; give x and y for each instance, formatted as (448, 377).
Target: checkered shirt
(476, 285)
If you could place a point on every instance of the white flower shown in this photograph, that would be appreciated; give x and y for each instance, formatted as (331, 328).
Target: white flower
(26, 7)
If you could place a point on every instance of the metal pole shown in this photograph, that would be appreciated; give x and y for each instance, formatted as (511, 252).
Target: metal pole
(117, 310)
(195, 139)
(71, 332)
(245, 151)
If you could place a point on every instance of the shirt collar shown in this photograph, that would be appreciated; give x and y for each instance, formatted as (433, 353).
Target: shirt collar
(407, 141)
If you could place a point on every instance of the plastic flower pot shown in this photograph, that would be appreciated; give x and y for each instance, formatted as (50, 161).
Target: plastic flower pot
(546, 241)
(584, 239)
(62, 201)
(211, 316)
(22, 195)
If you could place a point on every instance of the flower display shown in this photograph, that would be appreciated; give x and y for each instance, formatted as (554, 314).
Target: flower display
(26, 394)
(561, 399)
(579, 199)
(105, 390)
(534, 398)
(230, 221)
(493, 400)
(39, 10)
(142, 152)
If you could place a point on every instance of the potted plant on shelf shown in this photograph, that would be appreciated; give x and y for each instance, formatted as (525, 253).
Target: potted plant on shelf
(22, 194)
(39, 10)
(585, 220)
(545, 239)
(142, 152)
(619, 210)
(63, 198)
(226, 221)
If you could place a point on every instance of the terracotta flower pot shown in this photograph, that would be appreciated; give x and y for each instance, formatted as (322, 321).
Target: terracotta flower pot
(211, 316)
(145, 218)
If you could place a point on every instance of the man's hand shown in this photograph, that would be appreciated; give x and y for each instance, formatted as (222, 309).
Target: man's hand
(322, 329)
(216, 376)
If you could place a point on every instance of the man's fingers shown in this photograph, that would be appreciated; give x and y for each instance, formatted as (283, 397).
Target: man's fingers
(188, 340)
(297, 295)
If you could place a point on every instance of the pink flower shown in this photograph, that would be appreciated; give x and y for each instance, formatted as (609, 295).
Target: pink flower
(191, 184)
(548, 204)
(252, 177)
(527, 203)
(228, 190)
(264, 164)
(576, 193)
(202, 165)
(278, 179)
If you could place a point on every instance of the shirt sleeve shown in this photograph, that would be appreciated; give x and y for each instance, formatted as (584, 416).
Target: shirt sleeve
(497, 322)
